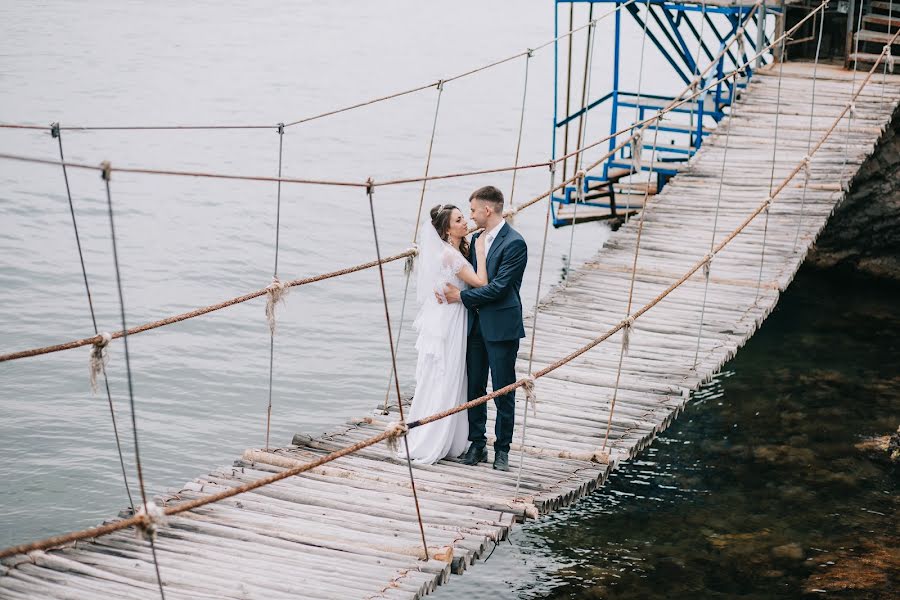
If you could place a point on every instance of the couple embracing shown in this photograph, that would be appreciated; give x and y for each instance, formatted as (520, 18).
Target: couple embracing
(469, 323)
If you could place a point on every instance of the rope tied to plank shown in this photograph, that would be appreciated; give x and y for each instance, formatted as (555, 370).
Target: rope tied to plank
(275, 293)
(397, 430)
(99, 358)
(151, 518)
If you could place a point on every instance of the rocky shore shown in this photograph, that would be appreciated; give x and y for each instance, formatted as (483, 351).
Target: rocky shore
(863, 235)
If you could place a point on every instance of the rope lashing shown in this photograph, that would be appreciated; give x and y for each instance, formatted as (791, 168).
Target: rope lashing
(99, 358)
(530, 396)
(627, 324)
(888, 58)
(707, 265)
(637, 145)
(410, 262)
(105, 170)
(396, 430)
(275, 293)
(852, 110)
(739, 34)
(151, 518)
(806, 166)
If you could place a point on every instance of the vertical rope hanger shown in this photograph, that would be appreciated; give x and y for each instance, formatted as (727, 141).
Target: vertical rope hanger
(370, 191)
(852, 112)
(512, 189)
(276, 290)
(568, 92)
(408, 266)
(529, 390)
(889, 59)
(707, 267)
(55, 132)
(696, 103)
(807, 158)
(762, 257)
(582, 127)
(637, 142)
(150, 511)
(626, 331)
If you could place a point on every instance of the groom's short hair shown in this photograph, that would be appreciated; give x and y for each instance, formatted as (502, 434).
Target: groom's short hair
(491, 195)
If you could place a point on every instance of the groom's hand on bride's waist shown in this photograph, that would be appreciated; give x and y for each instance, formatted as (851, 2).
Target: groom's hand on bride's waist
(451, 295)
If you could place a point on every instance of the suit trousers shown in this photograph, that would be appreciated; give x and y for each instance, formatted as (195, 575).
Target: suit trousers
(500, 359)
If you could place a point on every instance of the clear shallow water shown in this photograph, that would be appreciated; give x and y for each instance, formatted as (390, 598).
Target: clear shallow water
(757, 490)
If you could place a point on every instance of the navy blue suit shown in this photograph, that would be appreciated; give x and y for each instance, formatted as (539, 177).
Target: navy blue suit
(495, 328)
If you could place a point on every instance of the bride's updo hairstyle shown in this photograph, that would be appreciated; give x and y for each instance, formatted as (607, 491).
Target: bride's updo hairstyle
(440, 220)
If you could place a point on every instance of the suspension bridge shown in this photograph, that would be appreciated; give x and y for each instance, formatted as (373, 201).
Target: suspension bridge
(612, 355)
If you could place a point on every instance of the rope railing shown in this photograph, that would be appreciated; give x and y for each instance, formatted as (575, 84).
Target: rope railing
(398, 429)
(327, 113)
(412, 251)
(96, 339)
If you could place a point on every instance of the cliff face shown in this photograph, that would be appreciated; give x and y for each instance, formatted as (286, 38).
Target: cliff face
(863, 235)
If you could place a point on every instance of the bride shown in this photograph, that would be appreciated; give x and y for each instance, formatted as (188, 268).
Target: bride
(442, 328)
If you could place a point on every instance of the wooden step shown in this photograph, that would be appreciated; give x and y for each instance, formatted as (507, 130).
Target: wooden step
(863, 58)
(883, 20)
(879, 37)
(886, 6)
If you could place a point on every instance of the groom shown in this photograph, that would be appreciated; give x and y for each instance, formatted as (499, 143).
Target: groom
(495, 325)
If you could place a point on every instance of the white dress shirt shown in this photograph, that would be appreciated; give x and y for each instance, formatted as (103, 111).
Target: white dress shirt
(492, 235)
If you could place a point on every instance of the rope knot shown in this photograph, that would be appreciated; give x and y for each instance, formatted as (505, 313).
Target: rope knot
(552, 165)
(370, 186)
(280, 129)
(707, 264)
(440, 85)
(54, 130)
(396, 430)
(105, 170)
(768, 203)
(888, 57)
(807, 160)
(637, 146)
(529, 52)
(152, 517)
(627, 324)
(99, 358)
(530, 396)
(852, 109)
(275, 293)
(410, 261)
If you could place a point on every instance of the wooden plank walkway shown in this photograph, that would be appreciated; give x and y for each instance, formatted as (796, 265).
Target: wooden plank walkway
(348, 529)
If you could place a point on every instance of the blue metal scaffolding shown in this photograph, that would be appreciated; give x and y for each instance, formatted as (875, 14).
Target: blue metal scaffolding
(685, 34)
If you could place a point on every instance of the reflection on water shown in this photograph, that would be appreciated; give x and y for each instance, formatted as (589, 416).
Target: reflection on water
(758, 490)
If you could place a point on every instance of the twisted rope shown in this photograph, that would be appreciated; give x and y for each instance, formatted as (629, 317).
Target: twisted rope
(370, 192)
(408, 266)
(137, 454)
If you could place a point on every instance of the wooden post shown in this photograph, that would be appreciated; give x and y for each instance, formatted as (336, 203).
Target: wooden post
(760, 32)
(848, 43)
(780, 20)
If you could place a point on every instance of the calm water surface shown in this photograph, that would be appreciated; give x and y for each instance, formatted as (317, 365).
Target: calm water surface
(763, 459)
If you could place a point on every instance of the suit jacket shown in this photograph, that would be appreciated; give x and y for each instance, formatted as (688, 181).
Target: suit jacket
(498, 305)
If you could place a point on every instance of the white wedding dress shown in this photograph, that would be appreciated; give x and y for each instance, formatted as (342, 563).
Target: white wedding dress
(441, 366)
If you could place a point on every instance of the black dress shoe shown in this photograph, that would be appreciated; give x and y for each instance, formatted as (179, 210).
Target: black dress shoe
(501, 460)
(475, 455)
